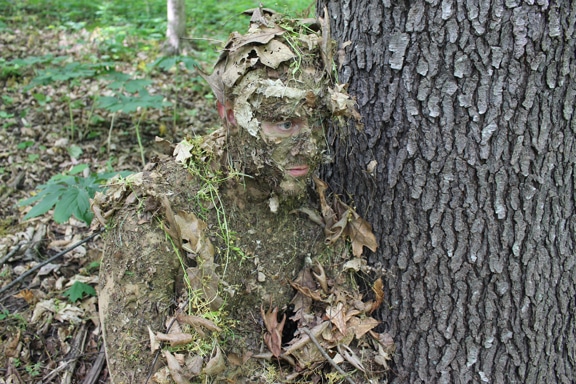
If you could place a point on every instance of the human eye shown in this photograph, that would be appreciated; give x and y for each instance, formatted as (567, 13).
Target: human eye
(285, 126)
(281, 128)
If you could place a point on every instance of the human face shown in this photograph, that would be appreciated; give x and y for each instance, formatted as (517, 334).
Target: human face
(295, 148)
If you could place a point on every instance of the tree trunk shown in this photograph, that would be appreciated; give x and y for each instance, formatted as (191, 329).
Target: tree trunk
(465, 169)
(176, 25)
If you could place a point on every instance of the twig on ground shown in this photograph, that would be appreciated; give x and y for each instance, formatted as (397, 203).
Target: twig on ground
(77, 349)
(10, 254)
(326, 356)
(69, 363)
(94, 373)
(38, 266)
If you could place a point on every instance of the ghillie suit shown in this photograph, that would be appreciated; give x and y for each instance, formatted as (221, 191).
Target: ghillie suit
(280, 70)
(217, 260)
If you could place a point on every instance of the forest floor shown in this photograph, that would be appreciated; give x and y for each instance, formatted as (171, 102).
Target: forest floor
(76, 107)
(51, 120)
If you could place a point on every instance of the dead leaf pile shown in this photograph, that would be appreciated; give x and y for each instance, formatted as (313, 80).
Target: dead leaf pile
(333, 322)
(183, 366)
(341, 221)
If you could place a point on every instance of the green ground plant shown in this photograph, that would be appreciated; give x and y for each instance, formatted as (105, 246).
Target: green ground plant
(78, 291)
(123, 30)
(69, 194)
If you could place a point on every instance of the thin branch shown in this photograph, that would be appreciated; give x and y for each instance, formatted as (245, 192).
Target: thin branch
(326, 356)
(10, 254)
(94, 373)
(36, 267)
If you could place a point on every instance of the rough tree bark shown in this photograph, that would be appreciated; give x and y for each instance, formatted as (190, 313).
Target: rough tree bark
(465, 169)
(176, 25)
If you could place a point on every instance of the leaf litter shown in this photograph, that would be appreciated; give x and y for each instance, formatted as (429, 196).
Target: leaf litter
(330, 320)
(326, 307)
(45, 130)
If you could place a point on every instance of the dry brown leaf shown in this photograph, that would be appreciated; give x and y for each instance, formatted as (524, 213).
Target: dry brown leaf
(240, 360)
(154, 342)
(193, 231)
(328, 213)
(296, 344)
(27, 295)
(351, 356)
(95, 206)
(182, 151)
(175, 369)
(360, 233)
(172, 325)
(356, 264)
(301, 302)
(362, 326)
(327, 42)
(175, 338)
(385, 339)
(274, 53)
(337, 316)
(344, 220)
(216, 364)
(172, 228)
(273, 337)
(386, 348)
(334, 232)
(358, 230)
(235, 359)
(194, 364)
(262, 36)
(205, 280)
(308, 356)
(321, 277)
(312, 215)
(378, 288)
(10, 347)
(314, 295)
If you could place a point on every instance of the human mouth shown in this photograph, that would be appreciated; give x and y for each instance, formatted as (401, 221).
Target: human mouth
(298, 170)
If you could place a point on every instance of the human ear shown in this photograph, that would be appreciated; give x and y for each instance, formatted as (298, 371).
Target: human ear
(226, 112)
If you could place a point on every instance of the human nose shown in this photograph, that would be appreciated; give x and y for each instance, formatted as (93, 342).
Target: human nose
(304, 145)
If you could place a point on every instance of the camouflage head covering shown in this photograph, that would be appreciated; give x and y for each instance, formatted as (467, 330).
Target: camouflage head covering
(280, 70)
(278, 64)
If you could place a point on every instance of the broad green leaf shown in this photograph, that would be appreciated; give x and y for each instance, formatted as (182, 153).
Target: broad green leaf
(82, 207)
(78, 169)
(25, 144)
(66, 205)
(45, 190)
(74, 151)
(106, 102)
(43, 206)
(133, 86)
(69, 195)
(78, 290)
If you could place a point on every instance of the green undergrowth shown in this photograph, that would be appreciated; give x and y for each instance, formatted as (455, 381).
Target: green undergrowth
(209, 22)
(121, 72)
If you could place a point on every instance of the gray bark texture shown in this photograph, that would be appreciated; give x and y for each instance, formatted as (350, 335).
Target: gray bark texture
(465, 169)
(176, 15)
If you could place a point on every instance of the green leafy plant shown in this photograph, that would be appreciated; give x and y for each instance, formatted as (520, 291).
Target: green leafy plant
(6, 316)
(69, 194)
(78, 290)
(130, 95)
(25, 144)
(70, 71)
(32, 157)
